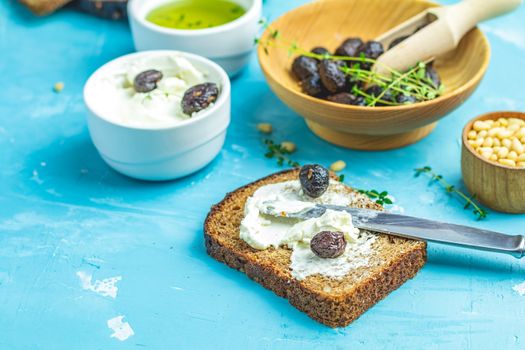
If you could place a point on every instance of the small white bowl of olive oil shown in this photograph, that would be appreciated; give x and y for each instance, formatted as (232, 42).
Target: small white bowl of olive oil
(221, 30)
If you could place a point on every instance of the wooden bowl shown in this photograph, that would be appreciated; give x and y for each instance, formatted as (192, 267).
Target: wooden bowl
(327, 23)
(497, 186)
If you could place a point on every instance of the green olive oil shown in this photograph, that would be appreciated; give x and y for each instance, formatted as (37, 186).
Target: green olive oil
(195, 14)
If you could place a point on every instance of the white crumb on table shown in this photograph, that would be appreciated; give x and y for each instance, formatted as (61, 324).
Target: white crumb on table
(520, 288)
(36, 177)
(121, 330)
(106, 287)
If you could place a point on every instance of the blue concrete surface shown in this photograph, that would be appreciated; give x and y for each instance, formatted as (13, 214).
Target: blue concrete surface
(62, 210)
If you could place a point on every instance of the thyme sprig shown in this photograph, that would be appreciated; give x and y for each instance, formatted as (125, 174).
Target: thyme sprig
(379, 197)
(470, 200)
(414, 82)
(277, 151)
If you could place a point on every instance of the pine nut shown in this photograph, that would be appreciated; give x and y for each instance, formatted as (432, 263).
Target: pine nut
(516, 121)
(517, 146)
(265, 128)
(520, 133)
(504, 133)
(338, 166)
(489, 141)
(58, 87)
(494, 131)
(486, 155)
(503, 152)
(480, 125)
(507, 162)
(288, 146)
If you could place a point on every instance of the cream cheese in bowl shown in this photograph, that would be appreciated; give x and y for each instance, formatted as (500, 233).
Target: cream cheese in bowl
(160, 107)
(158, 115)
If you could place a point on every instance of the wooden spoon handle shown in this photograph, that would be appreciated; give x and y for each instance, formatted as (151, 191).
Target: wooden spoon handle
(440, 36)
(463, 16)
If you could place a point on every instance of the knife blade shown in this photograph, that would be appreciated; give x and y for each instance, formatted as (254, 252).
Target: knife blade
(426, 230)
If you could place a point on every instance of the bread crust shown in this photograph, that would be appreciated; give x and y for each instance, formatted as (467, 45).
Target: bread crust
(333, 303)
(44, 7)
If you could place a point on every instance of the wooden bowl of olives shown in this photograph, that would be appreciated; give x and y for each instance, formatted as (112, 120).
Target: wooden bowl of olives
(355, 111)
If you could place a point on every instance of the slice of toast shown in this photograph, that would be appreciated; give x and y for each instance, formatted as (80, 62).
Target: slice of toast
(333, 302)
(44, 7)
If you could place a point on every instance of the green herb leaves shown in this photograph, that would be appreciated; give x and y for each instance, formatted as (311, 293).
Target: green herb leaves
(379, 197)
(470, 201)
(276, 151)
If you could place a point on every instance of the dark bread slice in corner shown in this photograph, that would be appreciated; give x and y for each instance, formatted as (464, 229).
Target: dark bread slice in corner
(335, 303)
(44, 7)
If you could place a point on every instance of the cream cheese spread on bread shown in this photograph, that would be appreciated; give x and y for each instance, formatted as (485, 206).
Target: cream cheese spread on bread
(262, 231)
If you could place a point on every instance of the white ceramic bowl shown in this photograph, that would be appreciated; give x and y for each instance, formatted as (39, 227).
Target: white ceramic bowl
(159, 153)
(229, 45)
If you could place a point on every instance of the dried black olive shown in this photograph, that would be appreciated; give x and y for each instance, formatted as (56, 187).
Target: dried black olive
(333, 78)
(359, 101)
(147, 80)
(349, 47)
(314, 180)
(320, 51)
(112, 9)
(328, 244)
(371, 49)
(199, 97)
(396, 41)
(312, 86)
(375, 91)
(304, 67)
(347, 99)
(433, 75)
(405, 99)
(352, 82)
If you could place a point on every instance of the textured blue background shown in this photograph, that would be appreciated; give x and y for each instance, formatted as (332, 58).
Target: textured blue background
(62, 210)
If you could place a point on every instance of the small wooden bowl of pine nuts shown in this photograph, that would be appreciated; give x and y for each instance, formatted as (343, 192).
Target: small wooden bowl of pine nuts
(493, 160)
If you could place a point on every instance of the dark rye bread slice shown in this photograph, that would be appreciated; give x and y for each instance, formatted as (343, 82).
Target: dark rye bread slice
(335, 303)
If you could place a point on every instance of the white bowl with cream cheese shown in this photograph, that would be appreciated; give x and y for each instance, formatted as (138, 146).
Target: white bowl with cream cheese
(230, 45)
(146, 135)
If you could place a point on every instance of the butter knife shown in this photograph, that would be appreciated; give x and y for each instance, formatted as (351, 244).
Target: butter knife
(422, 229)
